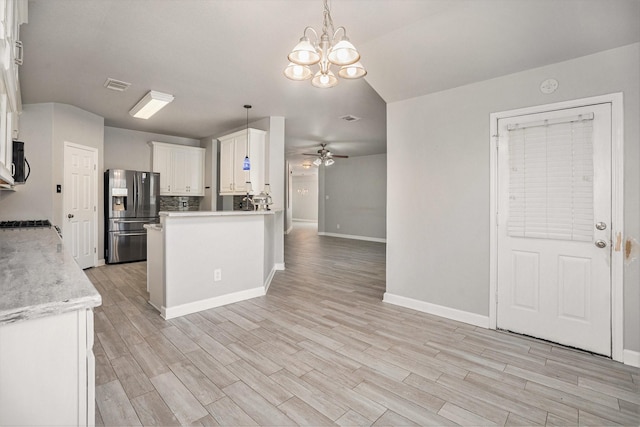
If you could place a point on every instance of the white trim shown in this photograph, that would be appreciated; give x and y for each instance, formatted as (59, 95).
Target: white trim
(95, 191)
(279, 266)
(350, 236)
(437, 310)
(617, 208)
(288, 230)
(196, 306)
(304, 220)
(100, 262)
(632, 358)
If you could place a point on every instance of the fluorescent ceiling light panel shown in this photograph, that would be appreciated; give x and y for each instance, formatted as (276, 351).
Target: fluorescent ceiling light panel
(150, 104)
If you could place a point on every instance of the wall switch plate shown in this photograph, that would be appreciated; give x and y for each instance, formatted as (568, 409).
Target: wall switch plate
(58, 188)
(217, 275)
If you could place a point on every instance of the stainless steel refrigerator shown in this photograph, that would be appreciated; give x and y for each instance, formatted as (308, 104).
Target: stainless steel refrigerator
(132, 199)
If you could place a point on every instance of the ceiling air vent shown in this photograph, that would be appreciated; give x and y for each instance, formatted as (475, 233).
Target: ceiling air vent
(117, 85)
(350, 118)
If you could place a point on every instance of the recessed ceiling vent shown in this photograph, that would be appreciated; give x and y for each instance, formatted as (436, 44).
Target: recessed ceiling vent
(350, 118)
(116, 85)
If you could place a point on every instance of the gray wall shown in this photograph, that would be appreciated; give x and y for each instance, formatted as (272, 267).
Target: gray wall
(305, 197)
(352, 194)
(34, 199)
(438, 186)
(130, 149)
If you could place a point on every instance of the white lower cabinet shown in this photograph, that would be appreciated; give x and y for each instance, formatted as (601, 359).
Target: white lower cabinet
(47, 370)
(233, 149)
(181, 169)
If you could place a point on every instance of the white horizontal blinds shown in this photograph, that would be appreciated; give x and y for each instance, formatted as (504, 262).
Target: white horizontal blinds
(551, 179)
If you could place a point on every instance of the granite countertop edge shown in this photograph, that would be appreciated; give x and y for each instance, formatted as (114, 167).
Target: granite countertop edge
(49, 309)
(215, 213)
(40, 278)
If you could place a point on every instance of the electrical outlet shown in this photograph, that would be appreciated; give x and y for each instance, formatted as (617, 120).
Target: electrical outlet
(338, 226)
(217, 275)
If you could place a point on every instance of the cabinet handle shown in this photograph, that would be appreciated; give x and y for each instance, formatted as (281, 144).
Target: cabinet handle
(19, 54)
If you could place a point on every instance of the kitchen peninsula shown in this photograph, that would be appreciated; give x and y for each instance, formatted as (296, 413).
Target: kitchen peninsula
(204, 259)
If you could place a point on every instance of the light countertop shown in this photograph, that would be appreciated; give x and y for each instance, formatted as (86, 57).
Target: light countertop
(38, 277)
(176, 214)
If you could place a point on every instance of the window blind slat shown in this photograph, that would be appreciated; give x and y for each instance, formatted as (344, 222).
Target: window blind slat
(551, 179)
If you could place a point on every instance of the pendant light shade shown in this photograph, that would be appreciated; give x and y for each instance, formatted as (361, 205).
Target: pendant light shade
(324, 80)
(246, 164)
(352, 71)
(343, 53)
(304, 53)
(298, 72)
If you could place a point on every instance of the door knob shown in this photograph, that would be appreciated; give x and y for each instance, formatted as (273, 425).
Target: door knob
(601, 225)
(70, 216)
(601, 243)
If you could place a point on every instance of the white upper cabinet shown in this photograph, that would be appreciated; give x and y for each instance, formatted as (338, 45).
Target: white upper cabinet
(181, 169)
(13, 13)
(233, 149)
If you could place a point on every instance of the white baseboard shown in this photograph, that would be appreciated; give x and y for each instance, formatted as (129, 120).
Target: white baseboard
(438, 310)
(304, 220)
(194, 307)
(350, 236)
(632, 358)
(100, 263)
(288, 230)
(279, 266)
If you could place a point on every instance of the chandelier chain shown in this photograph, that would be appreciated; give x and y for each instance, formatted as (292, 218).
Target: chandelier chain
(327, 22)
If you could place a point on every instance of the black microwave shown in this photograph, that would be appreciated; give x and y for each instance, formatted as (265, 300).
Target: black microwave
(21, 168)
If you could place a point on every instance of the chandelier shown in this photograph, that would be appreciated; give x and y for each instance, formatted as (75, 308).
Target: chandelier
(325, 51)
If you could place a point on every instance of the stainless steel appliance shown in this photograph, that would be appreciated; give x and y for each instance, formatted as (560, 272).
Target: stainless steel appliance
(132, 199)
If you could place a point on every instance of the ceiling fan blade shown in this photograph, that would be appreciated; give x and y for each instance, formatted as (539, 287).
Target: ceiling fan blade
(309, 154)
(339, 157)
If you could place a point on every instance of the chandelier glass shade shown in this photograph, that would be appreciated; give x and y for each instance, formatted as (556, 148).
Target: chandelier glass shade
(326, 51)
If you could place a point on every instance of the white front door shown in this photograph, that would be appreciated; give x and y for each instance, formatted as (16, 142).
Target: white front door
(554, 226)
(79, 221)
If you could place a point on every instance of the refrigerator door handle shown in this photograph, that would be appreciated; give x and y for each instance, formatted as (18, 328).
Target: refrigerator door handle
(129, 221)
(130, 234)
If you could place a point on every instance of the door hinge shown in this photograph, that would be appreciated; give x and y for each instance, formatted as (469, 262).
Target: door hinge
(94, 167)
(95, 250)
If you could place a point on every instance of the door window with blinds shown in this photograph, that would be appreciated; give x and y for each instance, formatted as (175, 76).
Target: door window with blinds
(551, 179)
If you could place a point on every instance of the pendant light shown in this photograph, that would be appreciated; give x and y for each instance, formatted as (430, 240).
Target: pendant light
(326, 50)
(246, 165)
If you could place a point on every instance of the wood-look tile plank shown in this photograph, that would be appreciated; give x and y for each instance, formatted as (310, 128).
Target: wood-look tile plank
(463, 417)
(415, 413)
(198, 384)
(180, 340)
(148, 360)
(183, 404)
(211, 368)
(304, 414)
(273, 392)
(256, 406)
(227, 413)
(260, 362)
(115, 407)
(164, 348)
(352, 418)
(311, 395)
(133, 379)
(153, 411)
(218, 351)
(391, 418)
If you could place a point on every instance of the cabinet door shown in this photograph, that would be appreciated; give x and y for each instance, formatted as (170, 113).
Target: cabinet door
(180, 166)
(162, 164)
(195, 183)
(240, 176)
(227, 156)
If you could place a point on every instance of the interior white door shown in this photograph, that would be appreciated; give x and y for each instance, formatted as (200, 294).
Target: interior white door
(80, 203)
(554, 226)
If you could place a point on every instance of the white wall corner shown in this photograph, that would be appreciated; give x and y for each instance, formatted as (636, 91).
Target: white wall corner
(438, 310)
(632, 358)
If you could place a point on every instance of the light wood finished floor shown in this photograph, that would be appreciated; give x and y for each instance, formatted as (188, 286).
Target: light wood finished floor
(322, 349)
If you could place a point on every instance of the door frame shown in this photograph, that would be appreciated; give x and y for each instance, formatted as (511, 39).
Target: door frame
(94, 151)
(617, 208)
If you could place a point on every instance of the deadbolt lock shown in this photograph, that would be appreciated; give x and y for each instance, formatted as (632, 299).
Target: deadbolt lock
(601, 225)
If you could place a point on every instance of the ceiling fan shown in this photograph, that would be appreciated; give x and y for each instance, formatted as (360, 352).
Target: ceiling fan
(324, 156)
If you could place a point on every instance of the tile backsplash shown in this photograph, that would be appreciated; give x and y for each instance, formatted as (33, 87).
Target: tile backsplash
(180, 203)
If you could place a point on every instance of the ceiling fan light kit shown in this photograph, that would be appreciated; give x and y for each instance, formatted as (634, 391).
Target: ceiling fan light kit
(324, 156)
(327, 50)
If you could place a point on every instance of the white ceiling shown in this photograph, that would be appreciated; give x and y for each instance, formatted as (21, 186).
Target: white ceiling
(215, 56)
